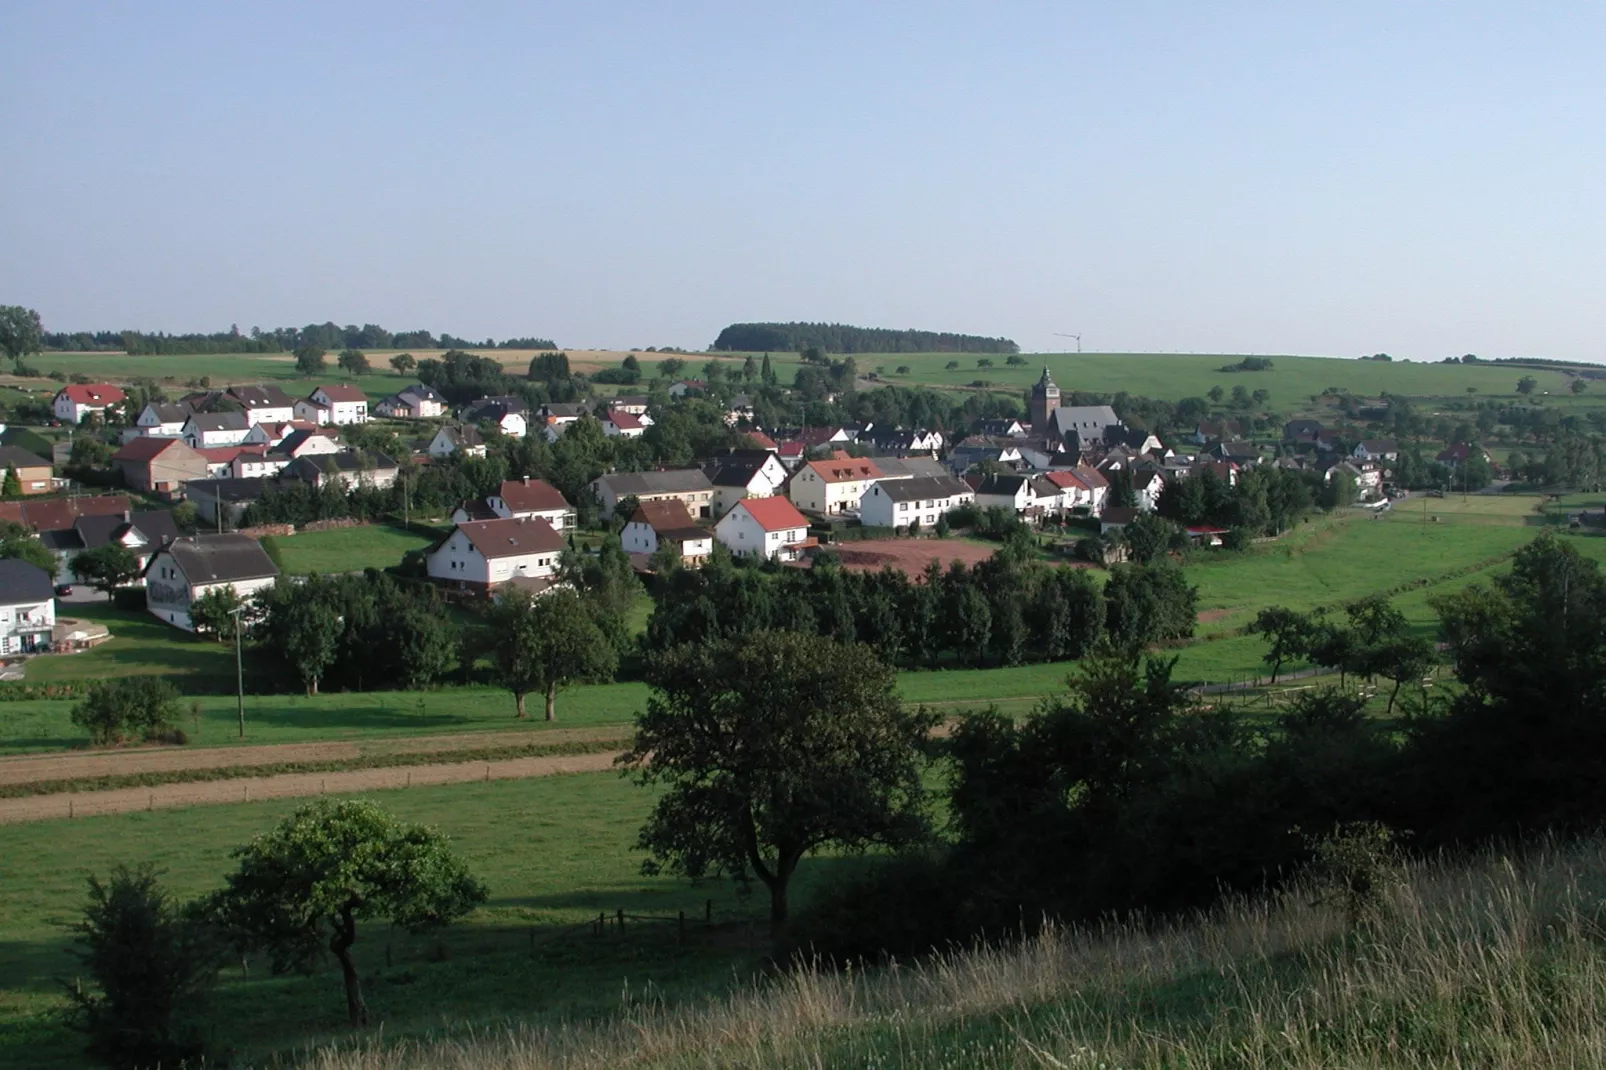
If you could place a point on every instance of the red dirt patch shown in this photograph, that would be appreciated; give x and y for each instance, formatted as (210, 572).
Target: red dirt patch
(1210, 616)
(909, 556)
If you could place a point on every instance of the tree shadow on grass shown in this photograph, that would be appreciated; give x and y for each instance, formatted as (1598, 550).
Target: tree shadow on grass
(353, 716)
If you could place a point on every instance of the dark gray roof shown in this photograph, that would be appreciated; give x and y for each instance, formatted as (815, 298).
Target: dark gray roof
(735, 474)
(908, 490)
(421, 391)
(1007, 486)
(21, 582)
(221, 558)
(465, 435)
(175, 413)
(307, 468)
(229, 490)
(219, 421)
(15, 457)
(261, 397)
(563, 408)
(676, 481)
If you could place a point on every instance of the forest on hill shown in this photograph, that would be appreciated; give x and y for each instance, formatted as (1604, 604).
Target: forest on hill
(841, 338)
(327, 336)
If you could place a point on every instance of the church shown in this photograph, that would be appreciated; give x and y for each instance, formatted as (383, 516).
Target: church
(1078, 426)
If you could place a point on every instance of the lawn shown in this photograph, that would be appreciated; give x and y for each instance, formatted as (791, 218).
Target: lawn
(140, 645)
(554, 852)
(342, 549)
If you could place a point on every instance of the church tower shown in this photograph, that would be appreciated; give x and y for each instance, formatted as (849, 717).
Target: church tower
(1045, 399)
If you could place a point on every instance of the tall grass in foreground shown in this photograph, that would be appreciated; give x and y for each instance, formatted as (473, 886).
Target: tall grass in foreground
(1500, 963)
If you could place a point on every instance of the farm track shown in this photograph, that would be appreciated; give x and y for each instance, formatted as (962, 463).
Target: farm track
(292, 785)
(86, 765)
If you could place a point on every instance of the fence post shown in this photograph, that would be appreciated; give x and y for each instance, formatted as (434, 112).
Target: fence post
(532, 941)
(620, 914)
(708, 911)
(602, 922)
(680, 933)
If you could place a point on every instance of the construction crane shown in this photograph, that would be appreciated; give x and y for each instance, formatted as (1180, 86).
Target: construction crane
(1062, 334)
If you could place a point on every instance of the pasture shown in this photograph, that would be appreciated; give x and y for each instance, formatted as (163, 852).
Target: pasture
(342, 549)
(554, 852)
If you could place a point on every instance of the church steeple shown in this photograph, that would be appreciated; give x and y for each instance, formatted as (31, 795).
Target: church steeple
(1045, 398)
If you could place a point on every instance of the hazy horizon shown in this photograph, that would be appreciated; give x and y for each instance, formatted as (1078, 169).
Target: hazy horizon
(1158, 177)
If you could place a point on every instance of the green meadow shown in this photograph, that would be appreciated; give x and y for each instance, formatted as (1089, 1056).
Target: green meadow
(342, 549)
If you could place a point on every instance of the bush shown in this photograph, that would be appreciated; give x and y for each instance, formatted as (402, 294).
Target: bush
(138, 707)
(129, 598)
(153, 970)
(904, 906)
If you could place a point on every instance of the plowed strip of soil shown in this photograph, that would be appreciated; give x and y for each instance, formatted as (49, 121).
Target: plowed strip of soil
(86, 765)
(908, 555)
(291, 785)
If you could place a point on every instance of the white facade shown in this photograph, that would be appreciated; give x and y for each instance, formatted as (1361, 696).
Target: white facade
(446, 442)
(270, 414)
(343, 409)
(513, 425)
(25, 626)
(879, 509)
(152, 425)
(72, 403)
(257, 465)
(458, 560)
(1015, 503)
(744, 535)
(638, 537)
(169, 594)
(212, 438)
(815, 490)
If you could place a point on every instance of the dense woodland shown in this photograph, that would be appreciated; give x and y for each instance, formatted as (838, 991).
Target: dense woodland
(841, 338)
(327, 336)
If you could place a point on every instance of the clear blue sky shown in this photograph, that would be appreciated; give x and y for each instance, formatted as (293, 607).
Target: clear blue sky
(1422, 178)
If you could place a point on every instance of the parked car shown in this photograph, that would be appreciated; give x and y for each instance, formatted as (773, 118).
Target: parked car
(63, 590)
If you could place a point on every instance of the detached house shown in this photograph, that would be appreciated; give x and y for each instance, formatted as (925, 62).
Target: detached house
(1013, 494)
(162, 420)
(206, 430)
(480, 555)
(72, 403)
(832, 487)
(27, 607)
(416, 402)
(450, 440)
(349, 468)
(1376, 449)
(263, 405)
(33, 471)
(655, 523)
(141, 533)
(898, 503)
(338, 404)
(520, 499)
(162, 465)
(506, 413)
(738, 474)
(190, 567)
(764, 527)
(616, 423)
(689, 485)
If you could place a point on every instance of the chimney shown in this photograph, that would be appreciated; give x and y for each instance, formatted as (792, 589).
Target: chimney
(526, 481)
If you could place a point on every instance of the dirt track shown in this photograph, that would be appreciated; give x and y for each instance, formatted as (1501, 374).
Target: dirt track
(83, 765)
(908, 555)
(290, 785)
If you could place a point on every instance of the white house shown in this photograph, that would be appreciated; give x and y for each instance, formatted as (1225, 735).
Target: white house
(416, 402)
(308, 443)
(1147, 483)
(342, 403)
(207, 430)
(448, 440)
(27, 607)
(617, 423)
(507, 413)
(1376, 449)
(764, 527)
(479, 555)
(738, 474)
(897, 503)
(72, 403)
(271, 435)
(654, 523)
(142, 533)
(251, 464)
(264, 404)
(834, 486)
(1013, 494)
(518, 499)
(558, 416)
(690, 485)
(190, 567)
(161, 420)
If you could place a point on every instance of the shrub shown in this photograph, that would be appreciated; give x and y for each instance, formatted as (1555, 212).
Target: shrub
(153, 970)
(139, 707)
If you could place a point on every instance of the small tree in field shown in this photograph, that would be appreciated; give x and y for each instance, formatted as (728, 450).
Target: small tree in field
(153, 970)
(309, 360)
(133, 707)
(353, 362)
(1288, 635)
(544, 643)
(330, 865)
(403, 363)
(771, 747)
(106, 567)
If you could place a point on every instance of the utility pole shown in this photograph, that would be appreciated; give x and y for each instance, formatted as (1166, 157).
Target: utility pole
(239, 670)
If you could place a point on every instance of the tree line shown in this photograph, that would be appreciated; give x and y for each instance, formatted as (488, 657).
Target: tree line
(1006, 610)
(326, 336)
(841, 338)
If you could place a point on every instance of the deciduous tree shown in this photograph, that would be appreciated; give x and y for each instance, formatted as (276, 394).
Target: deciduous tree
(772, 747)
(403, 363)
(106, 567)
(331, 865)
(21, 332)
(543, 643)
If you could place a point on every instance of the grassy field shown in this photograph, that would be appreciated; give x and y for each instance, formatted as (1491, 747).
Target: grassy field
(554, 853)
(1291, 381)
(342, 549)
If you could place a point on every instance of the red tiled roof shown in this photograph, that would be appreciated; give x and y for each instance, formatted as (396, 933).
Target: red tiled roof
(844, 469)
(341, 392)
(145, 449)
(531, 496)
(663, 516)
(791, 449)
(773, 514)
(56, 514)
(1062, 479)
(93, 394)
(226, 454)
(761, 440)
(512, 538)
(624, 421)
